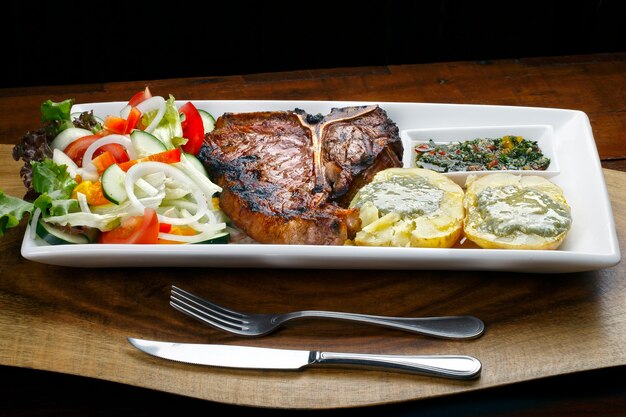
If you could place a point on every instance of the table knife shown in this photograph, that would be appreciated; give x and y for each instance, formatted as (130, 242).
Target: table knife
(229, 356)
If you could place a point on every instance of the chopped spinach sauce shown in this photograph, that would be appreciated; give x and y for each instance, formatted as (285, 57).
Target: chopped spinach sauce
(508, 210)
(482, 154)
(403, 195)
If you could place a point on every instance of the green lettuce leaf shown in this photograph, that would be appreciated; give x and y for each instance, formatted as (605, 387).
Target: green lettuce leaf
(57, 115)
(178, 141)
(43, 202)
(55, 186)
(169, 127)
(52, 179)
(102, 222)
(12, 210)
(56, 111)
(62, 207)
(56, 207)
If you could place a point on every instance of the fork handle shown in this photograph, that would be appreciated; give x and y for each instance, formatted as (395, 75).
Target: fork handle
(447, 366)
(447, 327)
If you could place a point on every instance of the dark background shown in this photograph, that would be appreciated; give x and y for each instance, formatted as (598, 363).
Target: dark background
(83, 42)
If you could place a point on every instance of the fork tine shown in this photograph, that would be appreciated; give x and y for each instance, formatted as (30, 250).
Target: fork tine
(201, 309)
(208, 304)
(207, 312)
(206, 318)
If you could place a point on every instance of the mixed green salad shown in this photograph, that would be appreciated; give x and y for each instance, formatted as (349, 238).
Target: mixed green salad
(130, 178)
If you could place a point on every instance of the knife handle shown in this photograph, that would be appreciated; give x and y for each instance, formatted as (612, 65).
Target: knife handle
(447, 366)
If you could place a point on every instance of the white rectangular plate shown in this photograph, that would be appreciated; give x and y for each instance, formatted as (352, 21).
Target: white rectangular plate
(591, 243)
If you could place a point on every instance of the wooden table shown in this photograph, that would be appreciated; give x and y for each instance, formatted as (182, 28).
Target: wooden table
(75, 321)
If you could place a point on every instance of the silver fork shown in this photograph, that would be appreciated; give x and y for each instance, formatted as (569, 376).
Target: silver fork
(246, 324)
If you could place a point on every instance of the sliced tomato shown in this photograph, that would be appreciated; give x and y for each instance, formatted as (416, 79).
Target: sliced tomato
(193, 129)
(167, 157)
(165, 227)
(139, 97)
(117, 150)
(76, 150)
(136, 229)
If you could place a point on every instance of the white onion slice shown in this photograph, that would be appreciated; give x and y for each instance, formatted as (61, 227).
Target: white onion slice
(207, 186)
(151, 104)
(146, 187)
(60, 158)
(82, 202)
(106, 140)
(206, 231)
(33, 223)
(211, 226)
(200, 237)
(144, 168)
(125, 112)
(88, 174)
(67, 136)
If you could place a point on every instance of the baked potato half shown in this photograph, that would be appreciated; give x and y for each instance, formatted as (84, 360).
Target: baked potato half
(515, 212)
(409, 207)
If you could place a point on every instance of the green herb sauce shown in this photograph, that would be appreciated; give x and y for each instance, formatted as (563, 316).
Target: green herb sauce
(482, 154)
(407, 196)
(509, 210)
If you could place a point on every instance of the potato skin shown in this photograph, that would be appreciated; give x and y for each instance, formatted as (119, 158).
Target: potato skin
(439, 229)
(518, 240)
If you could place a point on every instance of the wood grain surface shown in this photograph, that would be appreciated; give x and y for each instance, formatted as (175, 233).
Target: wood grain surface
(76, 321)
(590, 83)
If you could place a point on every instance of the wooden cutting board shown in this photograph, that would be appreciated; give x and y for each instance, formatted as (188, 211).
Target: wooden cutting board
(76, 321)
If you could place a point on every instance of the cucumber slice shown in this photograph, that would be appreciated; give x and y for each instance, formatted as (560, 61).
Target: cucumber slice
(220, 238)
(195, 162)
(208, 121)
(145, 143)
(113, 186)
(55, 236)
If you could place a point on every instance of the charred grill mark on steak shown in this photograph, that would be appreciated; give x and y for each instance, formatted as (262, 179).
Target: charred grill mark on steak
(286, 175)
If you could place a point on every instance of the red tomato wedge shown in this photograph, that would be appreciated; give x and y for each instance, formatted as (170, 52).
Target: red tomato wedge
(167, 157)
(139, 97)
(76, 150)
(136, 229)
(117, 150)
(193, 129)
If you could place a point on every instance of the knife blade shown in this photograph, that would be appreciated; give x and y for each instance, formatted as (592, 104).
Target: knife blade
(248, 357)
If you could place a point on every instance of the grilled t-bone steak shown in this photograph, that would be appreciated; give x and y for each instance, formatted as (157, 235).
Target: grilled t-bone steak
(287, 176)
